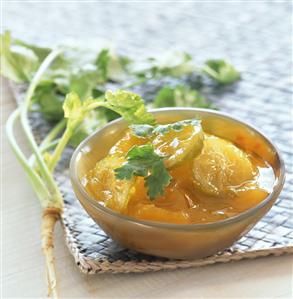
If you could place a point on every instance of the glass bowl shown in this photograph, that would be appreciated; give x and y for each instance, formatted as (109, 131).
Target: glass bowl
(176, 241)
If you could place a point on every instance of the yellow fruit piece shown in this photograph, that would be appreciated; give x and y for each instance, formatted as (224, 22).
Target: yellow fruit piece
(180, 145)
(153, 213)
(126, 143)
(221, 167)
(103, 185)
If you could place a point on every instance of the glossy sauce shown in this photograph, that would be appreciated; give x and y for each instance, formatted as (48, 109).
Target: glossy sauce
(185, 200)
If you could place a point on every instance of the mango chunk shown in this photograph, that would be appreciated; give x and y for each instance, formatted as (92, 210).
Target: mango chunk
(102, 184)
(222, 167)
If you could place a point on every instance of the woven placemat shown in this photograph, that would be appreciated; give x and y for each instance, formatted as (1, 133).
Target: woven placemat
(257, 45)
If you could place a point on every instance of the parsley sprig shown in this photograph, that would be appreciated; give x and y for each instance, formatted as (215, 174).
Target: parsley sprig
(145, 130)
(221, 71)
(144, 162)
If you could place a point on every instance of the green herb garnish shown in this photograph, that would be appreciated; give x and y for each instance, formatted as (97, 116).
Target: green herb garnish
(130, 106)
(142, 130)
(180, 96)
(88, 71)
(172, 65)
(148, 130)
(143, 161)
(18, 63)
(177, 126)
(221, 71)
(112, 67)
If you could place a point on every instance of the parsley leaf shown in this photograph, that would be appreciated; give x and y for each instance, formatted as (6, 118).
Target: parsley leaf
(148, 130)
(221, 71)
(102, 63)
(76, 110)
(143, 161)
(41, 52)
(142, 130)
(180, 96)
(82, 117)
(72, 107)
(170, 64)
(158, 180)
(18, 63)
(178, 126)
(140, 160)
(112, 67)
(130, 106)
(50, 102)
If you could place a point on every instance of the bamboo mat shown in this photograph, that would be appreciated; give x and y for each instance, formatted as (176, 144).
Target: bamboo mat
(257, 45)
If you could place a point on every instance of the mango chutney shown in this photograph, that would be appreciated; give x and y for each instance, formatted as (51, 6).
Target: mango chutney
(211, 178)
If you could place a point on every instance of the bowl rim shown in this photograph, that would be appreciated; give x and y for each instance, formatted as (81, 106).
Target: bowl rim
(277, 188)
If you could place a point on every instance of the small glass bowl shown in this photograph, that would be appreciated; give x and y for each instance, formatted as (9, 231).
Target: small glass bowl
(176, 241)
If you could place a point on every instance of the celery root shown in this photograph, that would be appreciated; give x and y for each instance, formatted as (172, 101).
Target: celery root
(49, 219)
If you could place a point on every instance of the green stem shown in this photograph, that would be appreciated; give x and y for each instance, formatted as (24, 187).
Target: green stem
(47, 146)
(138, 82)
(50, 140)
(60, 147)
(36, 181)
(209, 71)
(54, 132)
(26, 127)
(67, 135)
(43, 148)
(97, 104)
